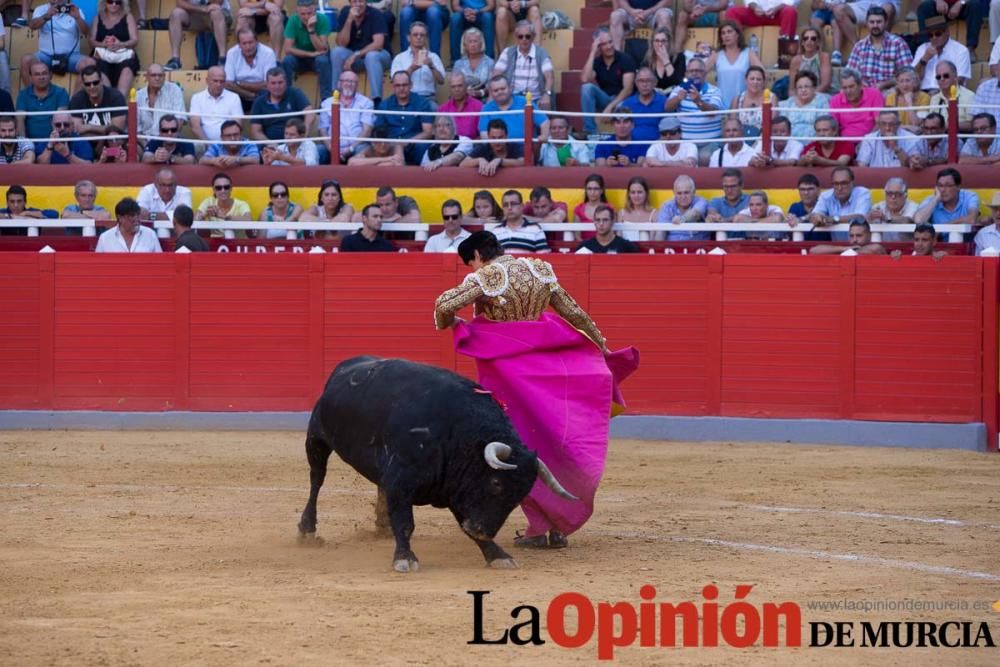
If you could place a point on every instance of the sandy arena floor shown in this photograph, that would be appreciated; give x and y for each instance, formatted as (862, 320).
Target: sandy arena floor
(179, 548)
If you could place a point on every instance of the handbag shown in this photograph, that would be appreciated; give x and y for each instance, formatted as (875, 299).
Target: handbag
(113, 57)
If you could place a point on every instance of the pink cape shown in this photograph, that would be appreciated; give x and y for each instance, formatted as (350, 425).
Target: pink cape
(558, 390)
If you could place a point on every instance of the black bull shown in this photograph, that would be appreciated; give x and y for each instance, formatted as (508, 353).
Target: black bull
(426, 436)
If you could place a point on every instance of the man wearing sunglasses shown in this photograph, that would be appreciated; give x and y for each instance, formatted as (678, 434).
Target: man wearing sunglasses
(55, 151)
(946, 76)
(527, 67)
(453, 234)
(167, 149)
(93, 119)
(971, 11)
(940, 47)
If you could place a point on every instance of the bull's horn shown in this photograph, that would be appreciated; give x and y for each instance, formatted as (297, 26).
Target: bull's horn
(496, 453)
(553, 483)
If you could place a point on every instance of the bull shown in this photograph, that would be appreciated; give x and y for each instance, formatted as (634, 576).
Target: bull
(425, 436)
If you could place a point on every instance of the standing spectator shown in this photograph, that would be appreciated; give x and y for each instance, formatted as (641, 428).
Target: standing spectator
(732, 201)
(222, 206)
(605, 240)
(307, 46)
(946, 76)
(754, 13)
(516, 234)
(128, 235)
(808, 187)
(935, 146)
(424, 67)
(805, 105)
(527, 66)
(989, 236)
(907, 94)
(60, 26)
(594, 195)
(453, 234)
(491, 157)
(879, 55)
(475, 63)
(55, 151)
(114, 36)
(235, 152)
(460, 101)
(85, 194)
(91, 119)
(685, 207)
(247, 64)
(446, 154)
(280, 208)
(940, 47)
(198, 16)
(735, 152)
(668, 68)
(849, 15)
(40, 95)
(362, 43)
(472, 14)
(541, 208)
(631, 14)
(664, 154)
(214, 105)
(356, 117)
(184, 236)
(624, 153)
(607, 79)
(297, 150)
(785, 152)
(970, 11)
(896, 208)
(369, 237)
(731, 62)
(160, 97)
(638, 207)
(14, 149)
(415, 124)
(432, 13)
(877, 150)
(812, 58)
(826, 151)
(159, 199)
(562, 150)
(504, 101)
(983, 148)
(260, 16)
(167, 149)
(854, 95)
(379, 152)
(987, 99)
(844, 202)
(697, 14)
(697, 95)
(330, 205)
(647, 105)
(280, 98)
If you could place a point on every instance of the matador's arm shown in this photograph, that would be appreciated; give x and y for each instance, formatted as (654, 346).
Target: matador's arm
(453, 301)
(566, 306)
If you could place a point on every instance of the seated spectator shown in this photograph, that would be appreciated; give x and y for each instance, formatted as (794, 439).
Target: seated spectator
(971, 11)
(393, 208)
(415, 125)
(369, 237)
(63, 152)
(896, 208)
(379, 153)
(128, 235)
(665, 153)
(198, 16)
(184, 236)
(732, 201)
(541, 208)
(950, 204)
(685, 207)
(248, 62)
(22, 20)
(17, 207)
(424, 67)
(879, 55)
(388, 10)
(877, 151)
(485, 209)
(297, 150)
(985, 150)
(114, 151)
(935, 144)
(235, 152)
(668, 68)
(472, 14)
(362, 43)
(279, 99)
(843, 203)
(562, 150)
(515, 233)
(859, 239)
(14, 149)
(307, 46)
(211, 107)
(945, 74)
(750, 102)
(502, 100)
(646, 105)
(940, 47)
(759, 209)
(808, 187)
(491, 157)
(731, 62)
(638, 206)
(924, 239)
(607, 79)
(848, 16)
(453, 234)
(527, 66)
(160, 97)
(259, 16)
(735, 152)
(459, 101)
(280, 208)
(989, 236)
(222, 206)
(594, 194)
(606, 240)
(85, 194)
(756, 13)
(827, 152)
(446, 154)
(91, 119)
(812, 57)
(330, 205)
(907, 94)
(114, 36)
(167, 149)
(853, 95)
(511, 13)
(785, 152)
(805, 105)
(987, 98)
(475, 63)
(697, 14)
(622, 153)
(432, 13)
(60, 25)
(356, 117)
(698, 97)
(159, 199)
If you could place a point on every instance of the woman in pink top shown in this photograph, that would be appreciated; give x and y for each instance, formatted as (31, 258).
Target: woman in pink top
(853, 95)
(593, 196)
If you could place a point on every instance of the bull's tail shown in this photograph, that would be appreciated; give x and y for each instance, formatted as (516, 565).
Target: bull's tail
(318, 452)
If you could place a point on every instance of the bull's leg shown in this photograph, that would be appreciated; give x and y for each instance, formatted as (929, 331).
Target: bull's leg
(494, 555)
(318, 453)
(401, 518)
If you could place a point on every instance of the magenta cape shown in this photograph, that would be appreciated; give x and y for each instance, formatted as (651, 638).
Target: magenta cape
(557, 388)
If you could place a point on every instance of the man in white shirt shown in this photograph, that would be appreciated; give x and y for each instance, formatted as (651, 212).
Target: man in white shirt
(785, 152)
(735, 152)
(246, 66)
(423, 65)
(128, 235)
(989, 236)
(662, 154)
(453, 234)
(896, 208)
(58, 27)
(356, 117)
(159, 199)
(162, 96)
(940, 47)
(213, 106)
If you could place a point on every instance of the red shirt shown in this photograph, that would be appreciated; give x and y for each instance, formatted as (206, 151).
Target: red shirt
(839, 148)
(465, 126)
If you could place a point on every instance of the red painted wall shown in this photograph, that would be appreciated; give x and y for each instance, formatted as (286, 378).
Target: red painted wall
(736, 335)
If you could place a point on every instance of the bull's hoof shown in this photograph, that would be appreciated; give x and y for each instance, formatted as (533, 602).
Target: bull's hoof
(311, 540)
(406, 565)
(504, 564)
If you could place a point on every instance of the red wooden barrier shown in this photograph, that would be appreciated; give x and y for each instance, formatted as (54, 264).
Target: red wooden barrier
(739, 335)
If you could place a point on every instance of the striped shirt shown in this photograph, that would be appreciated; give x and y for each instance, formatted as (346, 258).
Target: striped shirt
(704, 125)
(529, 237)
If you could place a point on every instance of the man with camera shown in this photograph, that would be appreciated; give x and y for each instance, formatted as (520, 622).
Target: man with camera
(64, 152)
(60, 25)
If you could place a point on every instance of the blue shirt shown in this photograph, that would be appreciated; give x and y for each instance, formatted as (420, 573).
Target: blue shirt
(632, 151)
(515, 122)
(401, 127)
(274, 128)
(81, 149)
(37, 127)
(859, 203)
(646, 117)
(968, 201)
(669, 211)
(246, 150)
(722, 207)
